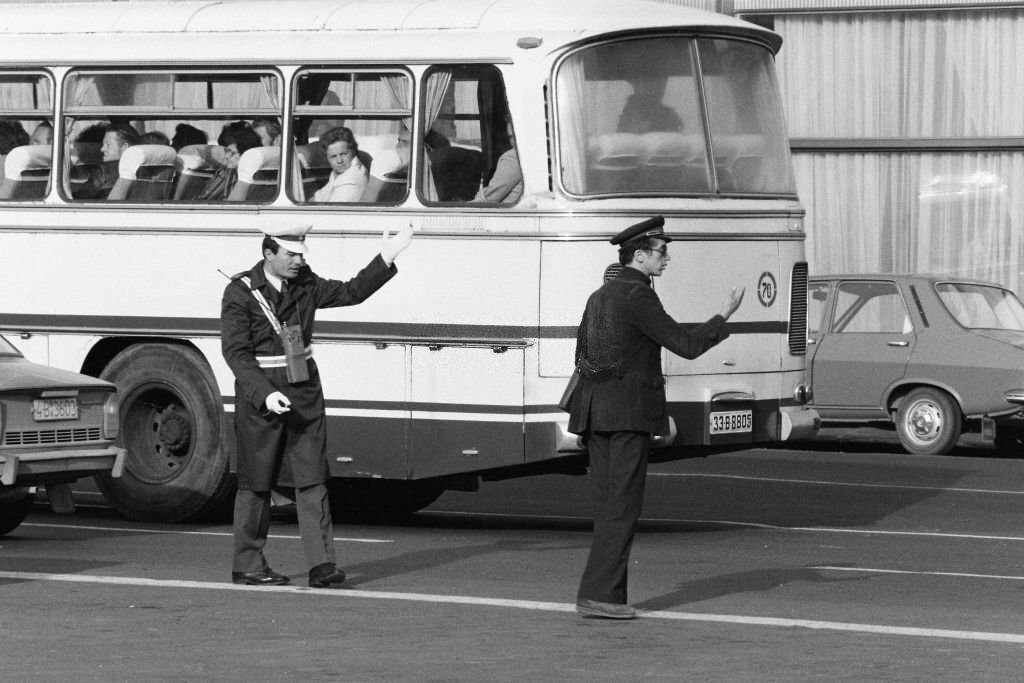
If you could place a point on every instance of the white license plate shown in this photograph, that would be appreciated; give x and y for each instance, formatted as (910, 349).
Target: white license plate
(54, 409)
(732, 422)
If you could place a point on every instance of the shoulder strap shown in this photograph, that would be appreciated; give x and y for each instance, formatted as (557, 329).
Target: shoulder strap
(262, 301)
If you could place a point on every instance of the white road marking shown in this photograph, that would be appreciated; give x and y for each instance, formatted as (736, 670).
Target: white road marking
(533, 605)
(177, 532)
(824, 482)
(918, 572)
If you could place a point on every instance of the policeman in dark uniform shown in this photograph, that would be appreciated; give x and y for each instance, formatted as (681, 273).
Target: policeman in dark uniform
(267, 316)
(620, 401)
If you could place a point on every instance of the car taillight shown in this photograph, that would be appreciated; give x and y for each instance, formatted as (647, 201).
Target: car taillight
(111, 417)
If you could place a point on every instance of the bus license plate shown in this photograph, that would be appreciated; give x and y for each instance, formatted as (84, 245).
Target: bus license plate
(732, 422)
(54, 409)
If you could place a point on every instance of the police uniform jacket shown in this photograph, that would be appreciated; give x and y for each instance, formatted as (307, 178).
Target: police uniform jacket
(625, 325)
(246, 333)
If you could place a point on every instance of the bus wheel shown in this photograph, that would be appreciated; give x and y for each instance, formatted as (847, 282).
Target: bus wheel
(14, 506)
(177, 468)
(376, 500)
(928, 422)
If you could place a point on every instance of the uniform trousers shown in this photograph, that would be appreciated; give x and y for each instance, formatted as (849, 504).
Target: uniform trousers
(252, 524)
(618, 471)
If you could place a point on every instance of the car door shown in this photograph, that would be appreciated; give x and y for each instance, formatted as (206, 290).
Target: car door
(864, 345)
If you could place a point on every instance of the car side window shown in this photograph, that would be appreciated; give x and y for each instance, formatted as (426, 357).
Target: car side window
(817, 298)
(870, 307)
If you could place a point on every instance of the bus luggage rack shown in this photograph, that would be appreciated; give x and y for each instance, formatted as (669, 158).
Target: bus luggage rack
(39, 437)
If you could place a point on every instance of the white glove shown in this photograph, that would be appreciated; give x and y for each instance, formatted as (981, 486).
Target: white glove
(390, 247)
(278, 403)
(732, 302)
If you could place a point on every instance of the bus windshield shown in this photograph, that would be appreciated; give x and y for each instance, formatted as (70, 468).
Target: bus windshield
(672, 115)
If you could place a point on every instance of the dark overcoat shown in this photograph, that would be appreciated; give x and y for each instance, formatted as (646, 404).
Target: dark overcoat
(625, 322)
(286, 449)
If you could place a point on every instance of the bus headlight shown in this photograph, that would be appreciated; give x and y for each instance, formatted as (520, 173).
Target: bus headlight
(802, 393)
(111, 416)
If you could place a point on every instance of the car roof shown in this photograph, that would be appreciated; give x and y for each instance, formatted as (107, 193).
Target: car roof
(918, 278)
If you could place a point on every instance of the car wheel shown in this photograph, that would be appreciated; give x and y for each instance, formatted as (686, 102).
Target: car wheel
(928, 422)
(14, 507)
(171, 425)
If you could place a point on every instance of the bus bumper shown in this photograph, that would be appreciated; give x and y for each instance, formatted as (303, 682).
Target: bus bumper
(798, 422)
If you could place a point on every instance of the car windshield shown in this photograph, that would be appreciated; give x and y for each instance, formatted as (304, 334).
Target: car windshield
(7, 348)
(982, 307)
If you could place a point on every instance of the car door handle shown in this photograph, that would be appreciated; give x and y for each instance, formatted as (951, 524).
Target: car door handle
(899, 343)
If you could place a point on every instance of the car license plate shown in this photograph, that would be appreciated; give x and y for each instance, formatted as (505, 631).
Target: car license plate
(54, 409)
(731, 422)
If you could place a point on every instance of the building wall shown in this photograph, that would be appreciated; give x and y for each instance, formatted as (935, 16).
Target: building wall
(908, 134)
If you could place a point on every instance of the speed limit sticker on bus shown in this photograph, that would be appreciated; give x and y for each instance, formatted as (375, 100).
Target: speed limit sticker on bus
(732, 422)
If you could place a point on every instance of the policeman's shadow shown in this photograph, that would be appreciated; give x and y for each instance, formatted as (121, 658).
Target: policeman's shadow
(420, 560)
(741, 582)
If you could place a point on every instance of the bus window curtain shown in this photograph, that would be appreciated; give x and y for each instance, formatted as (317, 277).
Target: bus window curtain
(434, 95)
(493, 107)
(573, 124)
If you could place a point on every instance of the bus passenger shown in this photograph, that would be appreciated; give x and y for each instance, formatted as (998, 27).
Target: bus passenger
(154, 137)
(506, 185)
(269, 131)
(12, 135)
(42, 134)
(117, 138)
(236, 138)
(644, 111)
(348, 174)
(279, 401)
(620, 402)
(185, 135)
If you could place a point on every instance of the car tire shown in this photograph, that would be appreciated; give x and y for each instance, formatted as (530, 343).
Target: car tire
(14, 507)
(172, 426)
(928, 422)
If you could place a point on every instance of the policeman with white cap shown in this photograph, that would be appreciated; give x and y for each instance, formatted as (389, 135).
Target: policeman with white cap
(267, 316)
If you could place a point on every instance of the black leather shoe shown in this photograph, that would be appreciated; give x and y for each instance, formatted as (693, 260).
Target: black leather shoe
(263, 577)
(605, 610)
(326, 575)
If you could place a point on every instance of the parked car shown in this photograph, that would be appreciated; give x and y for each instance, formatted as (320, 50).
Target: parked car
(932, 356)
(55, 427)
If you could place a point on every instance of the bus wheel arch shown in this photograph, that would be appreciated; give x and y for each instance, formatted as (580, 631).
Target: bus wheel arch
(173, 427)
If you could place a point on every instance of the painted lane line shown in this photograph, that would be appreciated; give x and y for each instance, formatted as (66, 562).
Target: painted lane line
(533, 605)
(914, 572)
(822, 482)
(190, 533)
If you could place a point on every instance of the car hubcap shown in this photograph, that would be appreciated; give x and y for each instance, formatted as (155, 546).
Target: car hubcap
(924, 421)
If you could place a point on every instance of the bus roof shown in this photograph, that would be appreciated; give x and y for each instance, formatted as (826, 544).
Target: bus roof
(141, 25)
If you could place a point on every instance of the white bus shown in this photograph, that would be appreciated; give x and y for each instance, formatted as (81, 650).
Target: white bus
(601, 113)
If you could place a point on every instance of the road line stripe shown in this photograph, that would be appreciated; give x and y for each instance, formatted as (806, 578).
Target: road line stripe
(190, 533)
(819, 482)
(533, 605)
(914, 572)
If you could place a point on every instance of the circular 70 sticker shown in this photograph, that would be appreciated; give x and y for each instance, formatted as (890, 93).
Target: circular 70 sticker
(766, 289)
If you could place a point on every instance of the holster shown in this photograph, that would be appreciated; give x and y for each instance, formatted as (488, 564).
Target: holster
(295, 355)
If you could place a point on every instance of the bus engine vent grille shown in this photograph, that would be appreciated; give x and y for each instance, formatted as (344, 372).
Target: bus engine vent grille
(44, 437)
(798, 311)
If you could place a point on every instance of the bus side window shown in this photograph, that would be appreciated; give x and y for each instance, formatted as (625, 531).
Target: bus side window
(469, 143)
(25, 105)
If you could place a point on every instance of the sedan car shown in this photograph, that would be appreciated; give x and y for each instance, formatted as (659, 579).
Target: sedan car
(932, 356)
(55, 427)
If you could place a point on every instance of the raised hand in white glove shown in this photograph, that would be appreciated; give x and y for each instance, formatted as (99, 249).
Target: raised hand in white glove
(278, 403)
(390, 247)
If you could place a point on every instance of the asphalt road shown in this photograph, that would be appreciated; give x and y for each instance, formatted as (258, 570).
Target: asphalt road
(844, 560)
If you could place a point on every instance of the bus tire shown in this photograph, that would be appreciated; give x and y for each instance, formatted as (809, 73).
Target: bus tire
(14, 507)
(377, 500)
(928, 422)
(172, 426)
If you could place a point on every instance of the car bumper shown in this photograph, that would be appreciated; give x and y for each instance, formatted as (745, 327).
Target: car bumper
(27, 469)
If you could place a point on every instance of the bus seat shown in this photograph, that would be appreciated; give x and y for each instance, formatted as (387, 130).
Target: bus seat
(196, 165)
(387, 189)
(258, 171)
(615, 159)
(673, 161)
(313, 167)
(387, 181)
(457, 171)
(145, 172)
(26, 172)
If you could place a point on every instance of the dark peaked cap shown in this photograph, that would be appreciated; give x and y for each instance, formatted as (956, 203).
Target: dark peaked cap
(652, 227)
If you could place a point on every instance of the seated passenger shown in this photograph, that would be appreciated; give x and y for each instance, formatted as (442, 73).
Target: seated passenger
(644, 111)
(456, 170)
(117, 138)
(11, 135)
(42, 134)
(185, 135)
(506, 185)
(348, 174)
(154, 137)
(236, 138)
(269, 131)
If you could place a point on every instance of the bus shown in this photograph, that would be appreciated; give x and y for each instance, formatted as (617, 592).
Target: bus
(516, 136)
